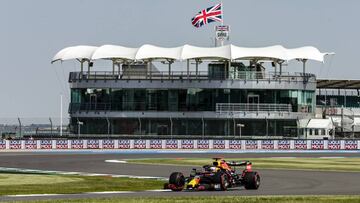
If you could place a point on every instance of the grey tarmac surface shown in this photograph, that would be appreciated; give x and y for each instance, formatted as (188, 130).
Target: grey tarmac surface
(273, 182)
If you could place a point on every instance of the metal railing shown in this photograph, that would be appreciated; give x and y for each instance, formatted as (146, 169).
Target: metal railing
(137, 106)
(244, 107)
(191, 75)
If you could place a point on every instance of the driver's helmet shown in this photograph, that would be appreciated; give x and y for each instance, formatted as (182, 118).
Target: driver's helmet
(213, 169)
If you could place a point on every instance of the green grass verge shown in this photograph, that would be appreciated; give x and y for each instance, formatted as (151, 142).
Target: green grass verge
(219, 199)
(322, 164)
(11, 184)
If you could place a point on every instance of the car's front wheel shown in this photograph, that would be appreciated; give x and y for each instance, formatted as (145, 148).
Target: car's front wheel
(178, 180)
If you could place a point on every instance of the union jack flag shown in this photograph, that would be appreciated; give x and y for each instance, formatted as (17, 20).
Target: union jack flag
(208, 15)
(284, 144)
(108, 144)
(139, 144)
(155, 144)
(267, 144)
(235, 144)
(334, 144)
(317, 144)
(219, 144)
(203, 144)
(45, 144)
(171, 144)
(2, 144)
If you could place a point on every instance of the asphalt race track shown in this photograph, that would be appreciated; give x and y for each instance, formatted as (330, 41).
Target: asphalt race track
(273, 182)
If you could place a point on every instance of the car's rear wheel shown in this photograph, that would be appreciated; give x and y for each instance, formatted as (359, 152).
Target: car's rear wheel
(178, 180)
(251, 180)
(224, 182)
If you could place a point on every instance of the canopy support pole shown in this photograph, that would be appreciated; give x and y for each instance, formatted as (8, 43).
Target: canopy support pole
(187, 67)
(304, 77)
(170, 62)
(81, 66)
(113, 67)
(196, 67)
(280, 62)
(148, 69)
(89, 65)
(228, 70)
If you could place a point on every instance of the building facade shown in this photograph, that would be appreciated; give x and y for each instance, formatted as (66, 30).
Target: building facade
(231, 97)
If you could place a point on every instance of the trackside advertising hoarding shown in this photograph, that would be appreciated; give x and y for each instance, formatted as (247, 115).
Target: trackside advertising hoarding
(185, 144)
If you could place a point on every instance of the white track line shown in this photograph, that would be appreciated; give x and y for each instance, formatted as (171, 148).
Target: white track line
(116, 161)
(104, 192)
(77, 173)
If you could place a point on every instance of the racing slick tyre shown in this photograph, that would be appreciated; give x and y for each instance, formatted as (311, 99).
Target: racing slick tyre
(251, 180)
(178, 180)
(224, 182)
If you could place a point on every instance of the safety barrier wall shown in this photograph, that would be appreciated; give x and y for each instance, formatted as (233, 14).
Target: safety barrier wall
(180, 144)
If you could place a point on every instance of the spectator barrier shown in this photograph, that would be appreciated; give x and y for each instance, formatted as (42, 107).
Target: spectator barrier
(184, 144)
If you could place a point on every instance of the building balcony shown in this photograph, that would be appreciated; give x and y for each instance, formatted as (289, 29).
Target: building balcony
(221, 111)
(192, 79)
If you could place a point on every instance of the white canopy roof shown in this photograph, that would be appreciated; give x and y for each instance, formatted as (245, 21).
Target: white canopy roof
(148, 51)
(320, 123)
(192, 52)
(75, 52)
(271, 52)
(230, 52)
(114, 52)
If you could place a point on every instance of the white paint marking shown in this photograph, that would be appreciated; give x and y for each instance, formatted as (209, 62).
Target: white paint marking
(116, 161)
(33, 195)
(332, 157)
(111, 192)
(104, 192)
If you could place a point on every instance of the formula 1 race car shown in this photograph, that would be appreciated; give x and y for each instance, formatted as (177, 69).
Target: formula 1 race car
(221, 175)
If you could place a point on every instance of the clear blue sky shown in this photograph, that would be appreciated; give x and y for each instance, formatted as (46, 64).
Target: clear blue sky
(33, 31)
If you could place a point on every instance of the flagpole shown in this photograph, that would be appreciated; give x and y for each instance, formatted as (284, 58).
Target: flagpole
(222, 13)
